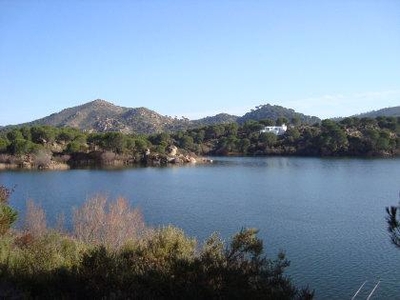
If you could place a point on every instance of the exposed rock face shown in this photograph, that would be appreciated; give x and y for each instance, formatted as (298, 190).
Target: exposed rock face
(173, 157)
(172, 150)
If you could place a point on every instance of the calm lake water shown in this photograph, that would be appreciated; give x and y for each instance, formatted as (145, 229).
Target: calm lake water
(327, 214)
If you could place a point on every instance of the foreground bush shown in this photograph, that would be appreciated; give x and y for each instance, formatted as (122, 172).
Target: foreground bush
(160, 263)
(100, 222)
(7, 214)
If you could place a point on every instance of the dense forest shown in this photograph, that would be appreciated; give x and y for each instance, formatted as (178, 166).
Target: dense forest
(41, 146)
(349, 137)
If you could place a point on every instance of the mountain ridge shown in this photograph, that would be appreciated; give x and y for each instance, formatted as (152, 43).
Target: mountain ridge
(393, 111)
(101, 116)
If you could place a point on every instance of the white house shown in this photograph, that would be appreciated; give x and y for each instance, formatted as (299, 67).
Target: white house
(277, 130)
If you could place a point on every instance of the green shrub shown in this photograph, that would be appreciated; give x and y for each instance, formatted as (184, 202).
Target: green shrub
(7, 214)
(168, 244)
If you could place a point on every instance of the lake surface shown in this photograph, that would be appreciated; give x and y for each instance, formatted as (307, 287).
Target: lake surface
(327, 214)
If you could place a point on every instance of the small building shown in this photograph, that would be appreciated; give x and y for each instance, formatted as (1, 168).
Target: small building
(277, 130)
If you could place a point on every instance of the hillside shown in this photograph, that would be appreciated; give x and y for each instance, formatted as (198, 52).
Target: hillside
(275, 111)
(217, 119)
(102, 116)
(86, 116)
(385, 112)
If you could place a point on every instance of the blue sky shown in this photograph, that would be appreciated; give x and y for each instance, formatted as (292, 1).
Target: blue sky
(199, 58)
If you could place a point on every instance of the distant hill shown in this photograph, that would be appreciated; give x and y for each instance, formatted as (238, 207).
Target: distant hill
(275, 111)
(217, 119)
(384, 112)
(102, 116)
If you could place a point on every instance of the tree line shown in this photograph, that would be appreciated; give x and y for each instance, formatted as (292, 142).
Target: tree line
(28, 139)
(348, 137)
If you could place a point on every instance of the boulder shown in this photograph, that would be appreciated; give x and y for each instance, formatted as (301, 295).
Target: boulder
(172, 150)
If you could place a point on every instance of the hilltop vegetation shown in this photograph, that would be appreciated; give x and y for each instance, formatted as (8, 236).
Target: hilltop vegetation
(384, 112)
(46, 146)
(111, 254)
(274, 112)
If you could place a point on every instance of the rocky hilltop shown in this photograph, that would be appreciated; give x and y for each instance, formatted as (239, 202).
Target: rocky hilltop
(102, 116)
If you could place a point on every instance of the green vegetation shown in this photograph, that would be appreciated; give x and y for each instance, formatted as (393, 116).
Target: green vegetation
(387, 112)
(393, 222)
(275, 112)
(42, 146)
(7, 214)
(111, 254)
(349, 137)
